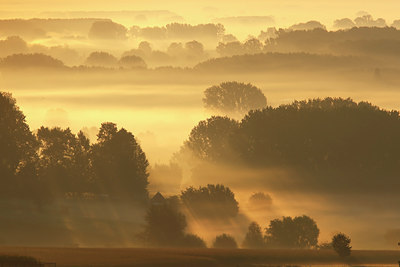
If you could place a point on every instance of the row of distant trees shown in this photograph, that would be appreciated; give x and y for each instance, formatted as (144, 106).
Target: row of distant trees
(166, 226)
(358, 41)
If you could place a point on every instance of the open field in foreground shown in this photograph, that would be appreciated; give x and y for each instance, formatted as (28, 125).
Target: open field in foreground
(200, 257)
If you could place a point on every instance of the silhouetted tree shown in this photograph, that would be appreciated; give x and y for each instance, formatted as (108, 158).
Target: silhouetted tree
(12, 45)
(288, 232)
(345, 23)
(165, 226)
(225, 241)
(310, 25)
(254, 237)
(132, 62)
(101, 59)
(64, 160)
(193, 241)
(24, 61)
(119, 164)
(260, 200)
(18, 146)
(107, 29)
(368, 21)
(341, 244)
(212, 201)
(210, 139)
(234, 98)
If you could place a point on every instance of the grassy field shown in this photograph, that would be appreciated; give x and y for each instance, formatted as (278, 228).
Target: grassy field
(200, 257)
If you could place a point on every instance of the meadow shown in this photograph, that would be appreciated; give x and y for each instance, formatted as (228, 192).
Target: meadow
(68, 257)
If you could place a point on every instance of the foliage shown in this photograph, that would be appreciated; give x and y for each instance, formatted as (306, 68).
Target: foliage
(18, 158)
(211, 139)
(165, 226)
(35, 60)
(254, 237)
(212, 201)
(260, 199)
(107, 29)
(132, 62)
(288, 232)
(341, 244)
(101, 59)
(234, 97)
(64, 160)
(224, 241)
(193, 241)
(119, 164)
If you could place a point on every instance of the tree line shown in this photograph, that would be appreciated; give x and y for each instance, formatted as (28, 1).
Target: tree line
(54, 161)
(327, 142)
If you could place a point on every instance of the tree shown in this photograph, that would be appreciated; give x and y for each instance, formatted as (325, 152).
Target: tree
(119, 164)
(165, 226)
(193, 241)
(17, 148)
(224, 241)
(234, 98)
(300, 232)
(260, 200)
(64, 160)
(211, 139)
(36, 60)
(107, 29)
(341, 244)
(101, 59)
(254, 237)
(132, 62)
(213, 201)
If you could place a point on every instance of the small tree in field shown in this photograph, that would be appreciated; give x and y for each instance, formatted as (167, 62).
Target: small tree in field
(254, 237)
(341, 244)
(224, 241)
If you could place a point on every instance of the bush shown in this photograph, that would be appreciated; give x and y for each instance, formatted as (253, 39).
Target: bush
(225, 241)
(341, 244)
(193, 241)
(212, 201)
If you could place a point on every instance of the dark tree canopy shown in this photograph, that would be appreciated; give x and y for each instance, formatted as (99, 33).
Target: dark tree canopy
(327, 142)
(225, 241)
(17, 148)
(193, 241)
(234, 98)
(165, 226)
(64, 160)
(260, 199)
(288, 232)
(211, 201)
(211, 139)
(341, 244)
(254, 237)
(119, 164)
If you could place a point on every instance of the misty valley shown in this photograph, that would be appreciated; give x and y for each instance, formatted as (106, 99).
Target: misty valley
(134, 138)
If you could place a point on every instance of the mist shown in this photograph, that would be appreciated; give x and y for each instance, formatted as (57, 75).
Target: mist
(201, 128)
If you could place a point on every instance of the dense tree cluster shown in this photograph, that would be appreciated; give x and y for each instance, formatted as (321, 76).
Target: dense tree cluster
(287, 232)
(55, 161)
(211, 201)
(331, 141)
(166, 225)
